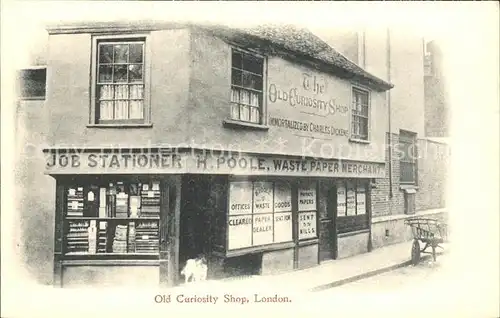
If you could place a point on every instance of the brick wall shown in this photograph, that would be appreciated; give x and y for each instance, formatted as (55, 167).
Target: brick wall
(432, 175)
(382, 202)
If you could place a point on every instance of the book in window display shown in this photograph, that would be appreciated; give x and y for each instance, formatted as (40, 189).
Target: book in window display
(77, 239)
(147, 238)
(120, 239)
(131, 237)
(75, 202)
(102, 246)
(121, 201)
(92, 230)
(150, 200)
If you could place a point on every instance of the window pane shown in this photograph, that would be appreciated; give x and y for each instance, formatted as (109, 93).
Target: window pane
(105, 74)
(236, 59)
(121, 53)
(236, 77)
(106, 110)
(235, 95)
(105, 53)
(252, 81)
(363, 127)
(106, 92)
(244, 97)
(120, 74)
(364, 111)
(135, 72)
(364, 98)
(244, 113)
(121, 91)
(136, 109)
(135, 54)
(252, 64)
(254, 115)
(254, 99)
(121, 109)
(136, 91)
(235, 111)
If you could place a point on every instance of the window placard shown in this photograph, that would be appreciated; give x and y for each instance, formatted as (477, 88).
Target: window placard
(307, 225)
(360, 200)
(262, 197)
(341, 200)
(240, 198)
(307, 198)
(239, 231)
(282, 197)
(262, 229)
(282, 227)
(351, 200)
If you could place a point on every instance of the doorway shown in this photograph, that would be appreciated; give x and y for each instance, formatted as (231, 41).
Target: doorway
(328, 233)
(194, 219)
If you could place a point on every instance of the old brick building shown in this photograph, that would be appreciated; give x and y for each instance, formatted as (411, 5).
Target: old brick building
(265, 149)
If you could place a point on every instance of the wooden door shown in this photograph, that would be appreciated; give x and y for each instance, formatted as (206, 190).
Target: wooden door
(327, 231)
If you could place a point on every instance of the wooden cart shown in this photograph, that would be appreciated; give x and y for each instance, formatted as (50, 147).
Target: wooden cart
(431, 232)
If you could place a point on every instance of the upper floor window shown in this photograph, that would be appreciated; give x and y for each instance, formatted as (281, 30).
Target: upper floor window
(120, 81)
(31, 83)
(360, 114)
(408, 157)
(247, 78)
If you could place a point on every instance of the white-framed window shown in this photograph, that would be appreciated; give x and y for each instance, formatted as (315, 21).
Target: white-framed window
(360, 114)
(120, 82)
(247, 86)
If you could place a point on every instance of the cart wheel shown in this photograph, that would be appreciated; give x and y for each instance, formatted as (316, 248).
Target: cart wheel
(415, 252)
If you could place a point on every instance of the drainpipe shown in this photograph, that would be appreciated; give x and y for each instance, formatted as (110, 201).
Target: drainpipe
(388, 53)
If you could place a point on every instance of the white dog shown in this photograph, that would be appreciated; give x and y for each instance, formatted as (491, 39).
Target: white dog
(195, 269)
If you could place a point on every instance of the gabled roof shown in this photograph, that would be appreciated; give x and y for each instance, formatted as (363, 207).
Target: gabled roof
(288, 41)
(301, 45)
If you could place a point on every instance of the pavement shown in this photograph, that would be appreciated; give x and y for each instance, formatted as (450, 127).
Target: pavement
(328, 274)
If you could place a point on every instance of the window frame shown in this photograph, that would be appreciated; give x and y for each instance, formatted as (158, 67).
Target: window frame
(352, 137)
(229, 121)
(136, 37)
(407, 136)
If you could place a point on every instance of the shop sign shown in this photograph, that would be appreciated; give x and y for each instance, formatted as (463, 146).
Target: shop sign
(351, 201)
(282, 227)
(262, 197)
(262, 229)
(360, 201)
(341, 200)
(240, 198)
(282, 197)
(239, 164)
(255, 165)
(307, 225)
(239, 231)
(307, 199)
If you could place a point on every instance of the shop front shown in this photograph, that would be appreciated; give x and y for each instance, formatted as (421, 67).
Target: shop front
(134, 216)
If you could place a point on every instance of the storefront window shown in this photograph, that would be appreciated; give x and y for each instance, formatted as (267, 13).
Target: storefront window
(112, 218)
(259, 213)
(351, 206)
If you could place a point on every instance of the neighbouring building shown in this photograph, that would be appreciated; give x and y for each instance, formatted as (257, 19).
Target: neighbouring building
(264, 149)
(415, 180)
